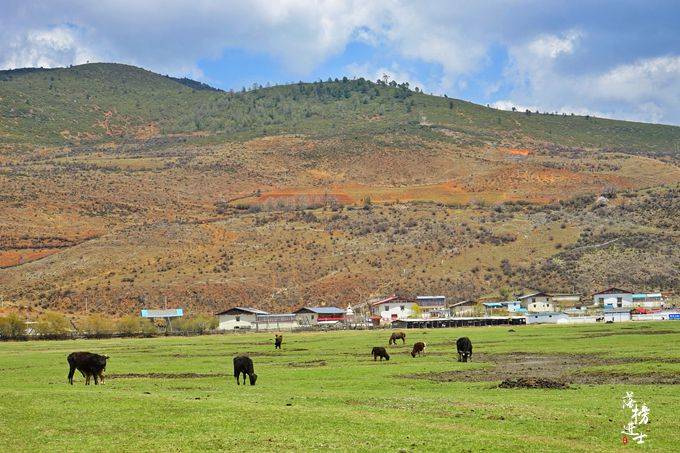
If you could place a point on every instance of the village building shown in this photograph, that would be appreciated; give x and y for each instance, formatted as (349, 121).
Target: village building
(463, 308)
(613, 298)
(238, 318)
(433, 306)
(392, 308)
(319, 316)
(537, 302)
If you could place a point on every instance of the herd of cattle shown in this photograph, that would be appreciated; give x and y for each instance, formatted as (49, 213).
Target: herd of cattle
(93, 365)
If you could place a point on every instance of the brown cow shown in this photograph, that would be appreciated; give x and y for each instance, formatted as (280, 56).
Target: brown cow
(381, 352)
(396, 336)
(89, 364)
(418, 348)
(278, 339)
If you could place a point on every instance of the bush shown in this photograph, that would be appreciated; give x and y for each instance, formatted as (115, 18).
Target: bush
(98, 325)
(52, 323)
(12, 326)
(195, 324)
(129, 325)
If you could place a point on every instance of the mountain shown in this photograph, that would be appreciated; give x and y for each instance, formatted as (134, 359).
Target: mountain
(123, 187)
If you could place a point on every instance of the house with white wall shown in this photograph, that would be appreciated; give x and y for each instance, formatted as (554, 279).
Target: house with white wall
(537, 302)
(392, 308)
(238, 318)
(613, 298)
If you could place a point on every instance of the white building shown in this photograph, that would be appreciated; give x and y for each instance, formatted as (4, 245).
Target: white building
(617, 314)
(537, 302)
(546, 317)
(613, 298)
(393, 308)
(238, 318)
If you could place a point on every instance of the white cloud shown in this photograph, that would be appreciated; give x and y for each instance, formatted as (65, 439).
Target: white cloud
(50, 47)
(551, 46)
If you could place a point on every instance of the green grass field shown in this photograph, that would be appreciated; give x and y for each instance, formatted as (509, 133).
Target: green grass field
(324, 391)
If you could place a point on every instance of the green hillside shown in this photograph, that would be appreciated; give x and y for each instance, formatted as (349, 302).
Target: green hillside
(96, 102)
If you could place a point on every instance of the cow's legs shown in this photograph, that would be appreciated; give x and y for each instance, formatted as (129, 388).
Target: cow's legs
(87, 379)
(96, 378)
(237, 381)
(71, 372)
(101, 377)
(244, 378)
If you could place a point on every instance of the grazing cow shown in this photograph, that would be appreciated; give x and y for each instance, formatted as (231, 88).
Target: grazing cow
(244, 364)
(89, 364)
(418, 348)
(464, 346)
(381, 352)
(396, 336)
(278, 339)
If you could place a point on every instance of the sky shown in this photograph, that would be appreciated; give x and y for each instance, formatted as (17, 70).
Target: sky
(617, 59)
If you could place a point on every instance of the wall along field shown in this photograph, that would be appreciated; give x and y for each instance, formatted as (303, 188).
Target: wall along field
(323, 390)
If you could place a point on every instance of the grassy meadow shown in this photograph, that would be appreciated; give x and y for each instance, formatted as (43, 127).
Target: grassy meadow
(324, 391)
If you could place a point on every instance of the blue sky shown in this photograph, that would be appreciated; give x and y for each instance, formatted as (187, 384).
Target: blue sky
(618, 59)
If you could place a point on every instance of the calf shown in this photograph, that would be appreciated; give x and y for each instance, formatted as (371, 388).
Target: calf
(464, 346)
(396, 336)
(244, 364)
(381, 352)
(418, 348)
(278, 339)
(89, 364)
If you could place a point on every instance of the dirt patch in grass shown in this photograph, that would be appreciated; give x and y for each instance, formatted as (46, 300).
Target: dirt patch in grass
(563, 368)
(307, 364)
(532, 383)
(164, 375)
(636, 332)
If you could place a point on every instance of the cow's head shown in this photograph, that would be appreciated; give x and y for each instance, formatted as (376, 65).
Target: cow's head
(101, 360)
(253, 378)
(465, 356)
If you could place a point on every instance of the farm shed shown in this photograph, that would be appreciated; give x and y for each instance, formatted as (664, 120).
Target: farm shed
(238, 318)
(276, 321)
(547, 317)
(617, 314)
(537, 302)
(312, 316)
(393, 307)
(613, 298)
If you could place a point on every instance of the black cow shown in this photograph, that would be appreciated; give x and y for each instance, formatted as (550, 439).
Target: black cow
(381, 352)
(418, 348)
(278, 339)
(244, 364)
(464, 346)
(397, 336)
(89, 365)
